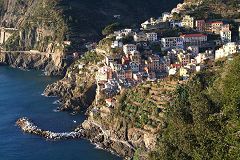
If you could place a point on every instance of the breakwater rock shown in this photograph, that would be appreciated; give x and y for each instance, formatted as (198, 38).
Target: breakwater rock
(29, 127)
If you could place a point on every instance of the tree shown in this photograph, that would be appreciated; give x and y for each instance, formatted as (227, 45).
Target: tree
(110, 28)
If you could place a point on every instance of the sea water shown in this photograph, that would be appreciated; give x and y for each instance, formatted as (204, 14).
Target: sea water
(20, 96)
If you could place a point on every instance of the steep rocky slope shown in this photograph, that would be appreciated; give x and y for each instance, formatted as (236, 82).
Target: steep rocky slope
(40, 26)
(77, 89)
(215, 8)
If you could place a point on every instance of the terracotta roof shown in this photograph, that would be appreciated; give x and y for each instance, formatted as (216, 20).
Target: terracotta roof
(216, 22)
(109, 100)
(176, 65)
(193, 35)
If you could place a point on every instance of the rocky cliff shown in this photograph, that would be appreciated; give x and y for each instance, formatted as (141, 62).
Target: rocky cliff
(27, 61)
(77, 89)
(34, 25)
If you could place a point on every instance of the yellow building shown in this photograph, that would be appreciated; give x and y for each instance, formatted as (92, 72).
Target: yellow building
(183, 71)
(188, 21)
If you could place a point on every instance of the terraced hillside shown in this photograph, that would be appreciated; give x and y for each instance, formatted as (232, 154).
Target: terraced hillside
(136, 120)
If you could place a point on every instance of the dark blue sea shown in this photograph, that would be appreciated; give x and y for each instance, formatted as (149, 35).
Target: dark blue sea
(20, 96)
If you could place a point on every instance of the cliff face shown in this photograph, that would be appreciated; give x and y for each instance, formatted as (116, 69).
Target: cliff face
(38, 25)
(13, 12)
(77, 89)
(27, 61)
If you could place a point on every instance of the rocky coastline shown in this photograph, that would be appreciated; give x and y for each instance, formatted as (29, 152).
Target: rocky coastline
(87, 130)
(27, 61)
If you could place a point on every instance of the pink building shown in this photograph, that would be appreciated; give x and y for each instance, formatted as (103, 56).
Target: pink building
(200, 25)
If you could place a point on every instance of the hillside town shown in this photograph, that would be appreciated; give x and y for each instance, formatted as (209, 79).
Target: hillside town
(149, 56)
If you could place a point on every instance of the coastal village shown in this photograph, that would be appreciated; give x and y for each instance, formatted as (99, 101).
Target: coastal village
(126, 81)
(146, 54)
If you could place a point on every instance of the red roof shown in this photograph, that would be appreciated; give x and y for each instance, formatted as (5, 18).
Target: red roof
(176, 65)
(220, 22)
(109, 100)
(193, 35)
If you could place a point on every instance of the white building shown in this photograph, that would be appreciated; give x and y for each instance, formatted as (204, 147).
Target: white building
(176, 24)
(194, 39)
(152, 37)
(129, 48)
(171, 42)
(226, 35)
(238, 33)
(149, 22)
(201, 57)
(117, 44)
(140, 37)
(226, 50)
(172, 71)
(166, 16)
(154, 24)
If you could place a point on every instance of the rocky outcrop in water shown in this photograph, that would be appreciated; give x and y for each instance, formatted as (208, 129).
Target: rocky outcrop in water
(71, 100)
(92, 131)
(76, 90)
(29, 127)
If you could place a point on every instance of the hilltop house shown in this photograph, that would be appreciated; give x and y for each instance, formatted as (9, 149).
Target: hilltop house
(104, 74)
(117, 44)
(154, 24)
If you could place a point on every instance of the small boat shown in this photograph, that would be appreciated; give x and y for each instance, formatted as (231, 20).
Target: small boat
(74, 121)
(73, 113)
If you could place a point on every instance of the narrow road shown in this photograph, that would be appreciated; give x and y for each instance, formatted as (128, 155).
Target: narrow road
(28, 52)
(112, 139)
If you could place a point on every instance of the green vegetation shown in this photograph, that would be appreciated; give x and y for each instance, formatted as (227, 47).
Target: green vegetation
(91, 57)
(45, 25)
(215, 9)
(111, 28)
(203, 122)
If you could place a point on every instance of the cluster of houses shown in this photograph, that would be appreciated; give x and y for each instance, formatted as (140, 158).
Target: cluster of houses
(130, 68)
(135, 66)
(178, 56)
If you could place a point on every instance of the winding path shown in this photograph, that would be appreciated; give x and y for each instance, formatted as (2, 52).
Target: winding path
(105, 133)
